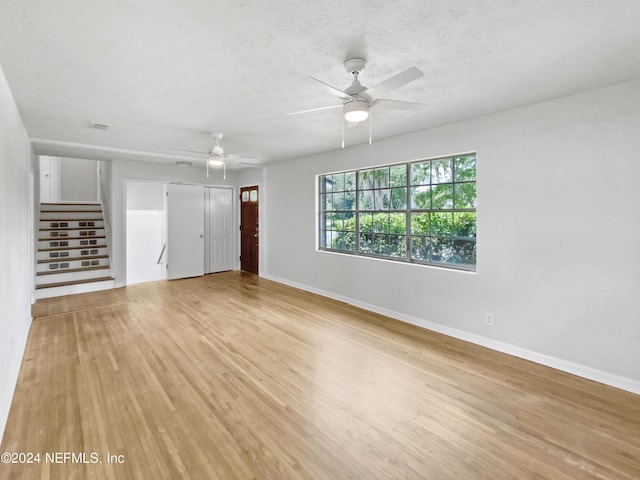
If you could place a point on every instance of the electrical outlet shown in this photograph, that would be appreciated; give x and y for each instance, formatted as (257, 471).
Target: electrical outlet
(488, 318)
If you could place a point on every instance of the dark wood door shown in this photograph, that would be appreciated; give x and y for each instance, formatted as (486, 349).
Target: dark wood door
(249, 232)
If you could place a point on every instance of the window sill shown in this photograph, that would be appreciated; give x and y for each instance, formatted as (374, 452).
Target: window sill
(446, 268)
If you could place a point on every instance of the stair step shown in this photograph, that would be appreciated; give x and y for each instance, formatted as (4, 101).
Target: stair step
(55, 239)
(66, 265)
(68, 248)
(94, 285)
(58, 243)
(72, 234)
(69, 204)
(46, 216)
(73, 224)
(76, 282)
(73, 270)
(95, 219)
(71, 211)
(62, 229)
(71, 259)
(70, 207)
(64, 255)
(72, 274)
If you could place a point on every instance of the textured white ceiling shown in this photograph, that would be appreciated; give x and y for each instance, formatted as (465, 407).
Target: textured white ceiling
(163, 74)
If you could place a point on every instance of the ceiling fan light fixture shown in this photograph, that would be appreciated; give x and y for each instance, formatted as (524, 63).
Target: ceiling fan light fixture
(215, 162)
(356, 111)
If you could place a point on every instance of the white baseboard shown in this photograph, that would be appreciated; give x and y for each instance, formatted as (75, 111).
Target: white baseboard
(600, 376)
(19, 347)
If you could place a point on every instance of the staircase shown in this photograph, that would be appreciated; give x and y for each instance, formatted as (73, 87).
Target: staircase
(72, 250)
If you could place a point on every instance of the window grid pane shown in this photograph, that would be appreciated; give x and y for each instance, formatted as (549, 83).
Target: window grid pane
(422, 212)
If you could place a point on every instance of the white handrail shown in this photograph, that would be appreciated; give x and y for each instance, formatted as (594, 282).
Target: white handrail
(161, 254)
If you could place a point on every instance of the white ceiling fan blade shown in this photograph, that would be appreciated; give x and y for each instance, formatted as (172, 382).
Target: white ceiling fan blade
(188, 151)
(315, 109)
(331, 90)
(384, 104)
(249, 165)
(235, 159)
(391, 83)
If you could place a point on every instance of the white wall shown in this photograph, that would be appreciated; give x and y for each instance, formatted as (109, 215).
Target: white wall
(250, 176)
(35, 218)
(145, 234)
(78, 180)
(124, 170)
(16, 160)
(145, 196)
(558, 264)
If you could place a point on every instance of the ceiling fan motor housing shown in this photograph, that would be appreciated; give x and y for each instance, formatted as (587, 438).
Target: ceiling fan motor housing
(355, 65)
(217, 150)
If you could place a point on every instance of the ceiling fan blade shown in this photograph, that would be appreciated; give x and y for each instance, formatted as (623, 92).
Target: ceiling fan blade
(249, 165)
(315, 109)
(392, 83)
(236, 159)
(384, 104)
(331, 90)
(188, 151)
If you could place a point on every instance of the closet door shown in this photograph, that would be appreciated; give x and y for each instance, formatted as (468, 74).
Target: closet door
(185, 231)
(219, 228)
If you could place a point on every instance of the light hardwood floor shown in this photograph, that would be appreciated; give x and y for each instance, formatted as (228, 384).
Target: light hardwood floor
(230, 376)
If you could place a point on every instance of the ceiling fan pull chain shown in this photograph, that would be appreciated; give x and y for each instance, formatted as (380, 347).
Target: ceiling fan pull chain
(207, 168)
(224, 169)
(342, 116)
(370, 120)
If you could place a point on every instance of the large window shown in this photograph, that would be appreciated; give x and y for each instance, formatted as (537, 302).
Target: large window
(422, 212)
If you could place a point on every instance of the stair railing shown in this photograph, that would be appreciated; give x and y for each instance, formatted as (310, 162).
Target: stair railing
(161, 254)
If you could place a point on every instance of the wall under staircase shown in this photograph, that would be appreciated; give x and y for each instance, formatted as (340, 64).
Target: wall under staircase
(72, 252)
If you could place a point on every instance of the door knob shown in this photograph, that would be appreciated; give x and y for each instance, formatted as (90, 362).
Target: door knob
(201, 236)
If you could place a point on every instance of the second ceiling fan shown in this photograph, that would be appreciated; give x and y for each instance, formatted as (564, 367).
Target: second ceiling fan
(358, 100)
(218, 158)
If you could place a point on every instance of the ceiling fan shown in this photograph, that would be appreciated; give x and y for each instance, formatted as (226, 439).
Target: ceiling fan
(216, 157)
(358, 100)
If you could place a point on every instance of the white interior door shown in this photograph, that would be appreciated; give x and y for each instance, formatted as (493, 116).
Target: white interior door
(185, 231)
(219, 227)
